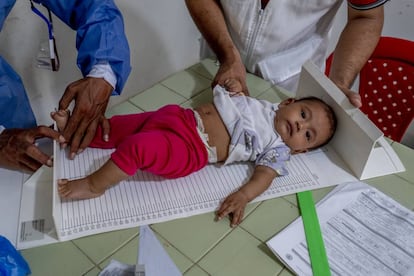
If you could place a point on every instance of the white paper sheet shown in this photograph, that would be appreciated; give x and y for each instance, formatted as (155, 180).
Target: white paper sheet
(146, 198)
(152, 259)
(36, 225)
(365, 233)
(22, 206)
(357, 140)
(153, 256)
(11, 183)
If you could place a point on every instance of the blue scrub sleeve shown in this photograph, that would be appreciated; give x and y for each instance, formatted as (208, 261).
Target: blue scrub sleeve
(100, 34)
(5, 8)
(15, 110)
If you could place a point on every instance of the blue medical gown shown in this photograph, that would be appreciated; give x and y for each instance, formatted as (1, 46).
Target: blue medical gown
(100, 38)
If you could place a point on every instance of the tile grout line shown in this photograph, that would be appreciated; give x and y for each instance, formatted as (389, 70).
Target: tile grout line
(118, 248)
(196, 265)
(215, 244)
(173, 246)
(97, 264)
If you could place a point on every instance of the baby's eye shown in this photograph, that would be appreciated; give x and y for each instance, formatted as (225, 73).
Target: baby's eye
(302, 114)
(308, 135)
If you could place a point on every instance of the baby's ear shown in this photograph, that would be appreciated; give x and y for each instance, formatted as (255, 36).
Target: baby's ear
(286, 102)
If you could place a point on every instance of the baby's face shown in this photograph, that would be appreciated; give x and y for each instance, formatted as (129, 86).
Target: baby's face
(302, 125)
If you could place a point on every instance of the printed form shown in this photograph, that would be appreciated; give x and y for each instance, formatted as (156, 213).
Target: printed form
(365, 233)
(145, 198)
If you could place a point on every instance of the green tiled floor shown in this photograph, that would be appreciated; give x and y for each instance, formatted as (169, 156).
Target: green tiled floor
(199, 245)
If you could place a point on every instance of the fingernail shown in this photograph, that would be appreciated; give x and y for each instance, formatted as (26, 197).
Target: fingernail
(72, 155)
(106, 137)
(61, 139)
(49, 162)
(79, 151)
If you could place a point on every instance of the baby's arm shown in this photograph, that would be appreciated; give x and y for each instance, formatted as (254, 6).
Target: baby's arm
(236, 202)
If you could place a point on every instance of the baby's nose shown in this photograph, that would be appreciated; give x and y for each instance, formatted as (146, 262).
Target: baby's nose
(300, 125)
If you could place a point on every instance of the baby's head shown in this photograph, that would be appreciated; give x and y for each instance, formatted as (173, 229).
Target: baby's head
(305, 124)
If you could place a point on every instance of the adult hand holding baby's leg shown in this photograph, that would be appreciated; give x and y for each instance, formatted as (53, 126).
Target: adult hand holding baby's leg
(61, 118)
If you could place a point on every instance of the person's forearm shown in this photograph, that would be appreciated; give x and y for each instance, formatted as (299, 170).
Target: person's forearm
(356, 44)
(100, 35)
(259, 182)
(209, 19)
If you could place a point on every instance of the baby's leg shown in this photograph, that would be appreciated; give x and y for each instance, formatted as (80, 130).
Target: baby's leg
(61, 118)
(93, 185)
(162, 153)
(121, 126)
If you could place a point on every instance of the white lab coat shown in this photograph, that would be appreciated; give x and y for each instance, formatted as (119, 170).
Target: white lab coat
(274, 42)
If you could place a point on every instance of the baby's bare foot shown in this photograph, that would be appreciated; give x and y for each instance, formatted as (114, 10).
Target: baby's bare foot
(77, 189)
(61, 118)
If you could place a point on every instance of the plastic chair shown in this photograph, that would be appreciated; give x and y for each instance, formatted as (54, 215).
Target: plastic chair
(386, 86)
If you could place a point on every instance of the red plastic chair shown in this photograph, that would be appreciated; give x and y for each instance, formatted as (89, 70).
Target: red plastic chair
(386, 86)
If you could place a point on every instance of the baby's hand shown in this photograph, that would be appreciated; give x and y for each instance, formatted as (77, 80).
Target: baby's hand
(234, 204)
(234, 87)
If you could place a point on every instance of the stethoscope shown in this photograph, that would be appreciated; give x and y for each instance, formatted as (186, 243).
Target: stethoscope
(54, 58)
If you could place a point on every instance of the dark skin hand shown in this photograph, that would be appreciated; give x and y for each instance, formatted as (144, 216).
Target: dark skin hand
(91, 96)
(18, 150)
(209, 18)
(355, 45)
(235, 71)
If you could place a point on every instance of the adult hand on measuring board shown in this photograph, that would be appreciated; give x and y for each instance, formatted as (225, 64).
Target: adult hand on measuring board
(91, 96)
(18, 149)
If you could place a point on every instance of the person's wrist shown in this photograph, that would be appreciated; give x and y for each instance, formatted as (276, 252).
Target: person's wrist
(104, 71)
(230, 56)
(244, 194)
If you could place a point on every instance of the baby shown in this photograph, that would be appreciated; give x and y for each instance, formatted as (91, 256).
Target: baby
(174, 142)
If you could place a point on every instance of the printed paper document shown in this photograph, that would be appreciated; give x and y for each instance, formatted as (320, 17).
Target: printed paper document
(146, 198)
(365, 233)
